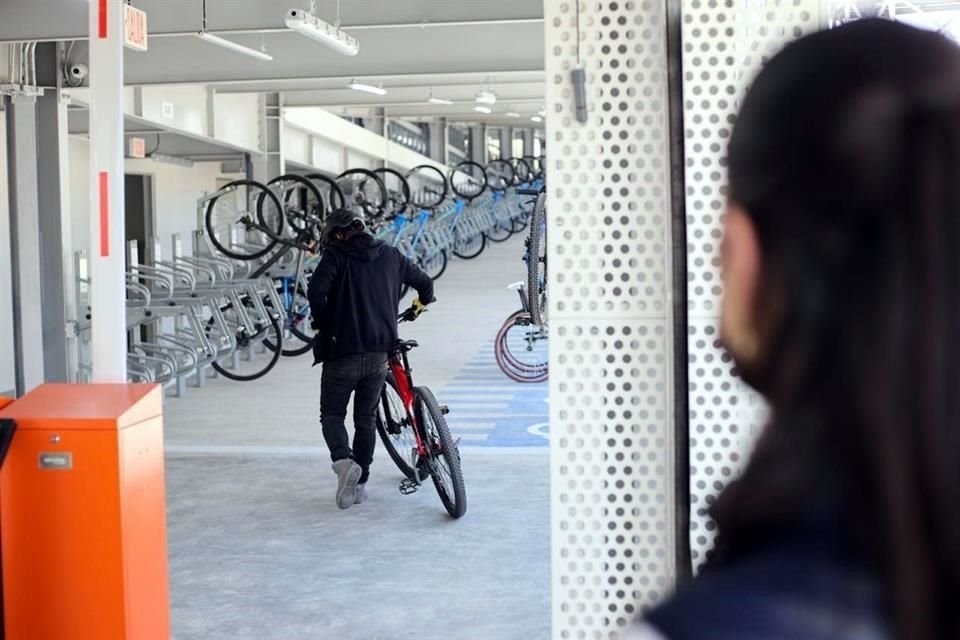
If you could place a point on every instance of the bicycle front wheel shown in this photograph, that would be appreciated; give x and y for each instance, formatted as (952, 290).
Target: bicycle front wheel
(233, 214)
(469, 247)
(521, 349)
(444, 460)
(395, 429)
(244, 363)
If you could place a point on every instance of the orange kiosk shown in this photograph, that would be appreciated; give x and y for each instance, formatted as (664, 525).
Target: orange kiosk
(82, 514)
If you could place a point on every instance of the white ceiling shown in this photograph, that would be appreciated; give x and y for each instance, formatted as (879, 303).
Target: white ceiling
(454, 47)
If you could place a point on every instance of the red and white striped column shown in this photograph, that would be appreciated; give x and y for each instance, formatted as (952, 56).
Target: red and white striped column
(107, 261)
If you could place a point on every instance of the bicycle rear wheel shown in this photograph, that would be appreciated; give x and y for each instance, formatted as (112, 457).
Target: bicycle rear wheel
(468, 247)
(435, 265)
(537, 263)
(244, 364)
(444, 456)
(395, 429)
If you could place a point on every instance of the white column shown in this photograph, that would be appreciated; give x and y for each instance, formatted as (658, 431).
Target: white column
(107, 265)
(611, 317)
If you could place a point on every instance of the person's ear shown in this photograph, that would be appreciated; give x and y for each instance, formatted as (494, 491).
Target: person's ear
(741, 264)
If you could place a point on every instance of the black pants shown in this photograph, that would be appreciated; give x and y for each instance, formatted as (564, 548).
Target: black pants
(364, 374)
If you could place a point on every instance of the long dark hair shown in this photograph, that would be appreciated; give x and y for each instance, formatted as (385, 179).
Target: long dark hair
(846, 157)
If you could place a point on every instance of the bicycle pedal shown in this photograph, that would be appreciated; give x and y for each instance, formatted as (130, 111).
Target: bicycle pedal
(408, 486)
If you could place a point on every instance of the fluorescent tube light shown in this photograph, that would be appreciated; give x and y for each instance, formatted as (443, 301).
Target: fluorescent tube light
(307, 24)
(513, 114)
(433, 100)
(536, 118)
(487, 97)
(482, 109)
(367, 88)
(233, 46)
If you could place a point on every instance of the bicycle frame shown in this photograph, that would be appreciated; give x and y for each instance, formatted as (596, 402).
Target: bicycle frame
(399, 365)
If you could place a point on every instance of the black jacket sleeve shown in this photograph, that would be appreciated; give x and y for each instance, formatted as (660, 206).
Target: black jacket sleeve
(416, 278)
(320, 283)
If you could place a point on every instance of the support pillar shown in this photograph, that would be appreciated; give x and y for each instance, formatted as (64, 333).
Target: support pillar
(438, 140)
(58, 297)
(24, 243)
(107, 233)
(528, 142)
(478, 144)
(506, 142)
(271, 162)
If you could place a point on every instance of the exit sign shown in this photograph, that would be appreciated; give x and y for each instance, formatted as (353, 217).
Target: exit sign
(134, 28)
(138, 148)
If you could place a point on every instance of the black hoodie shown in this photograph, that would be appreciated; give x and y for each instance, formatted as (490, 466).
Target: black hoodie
(355, 293)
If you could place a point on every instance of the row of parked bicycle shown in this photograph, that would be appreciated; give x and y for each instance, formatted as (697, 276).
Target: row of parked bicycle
(238, 303)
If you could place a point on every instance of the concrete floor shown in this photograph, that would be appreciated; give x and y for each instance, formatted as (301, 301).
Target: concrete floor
(258, 549)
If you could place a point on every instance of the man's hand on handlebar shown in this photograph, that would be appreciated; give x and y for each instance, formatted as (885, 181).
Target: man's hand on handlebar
(414, 311)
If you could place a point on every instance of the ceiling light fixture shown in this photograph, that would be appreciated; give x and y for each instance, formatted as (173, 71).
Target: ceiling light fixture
(536, 118)
(482, 109)
(485, 96)
(308, 24)
(228, 44)
(433, 100)
(513, 114)
(367, 88)
(233, 46)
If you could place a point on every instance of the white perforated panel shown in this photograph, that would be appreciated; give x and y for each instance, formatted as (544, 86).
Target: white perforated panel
(611, 328)
(724, 44)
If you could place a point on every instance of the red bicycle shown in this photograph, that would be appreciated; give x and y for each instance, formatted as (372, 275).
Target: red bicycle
(415, 433)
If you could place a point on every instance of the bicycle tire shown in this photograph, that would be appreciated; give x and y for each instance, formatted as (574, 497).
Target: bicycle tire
(335, 199)
(384, 418)
(522, 172)
(467, 255)
(436, 265)
(536, 268)
(509, 365)
(396, 206)
(503, 175)
(501, 232)
(474, 170)
(373, 209)
(278, 332)
(437, 196)
(212, 230)
(301, 222)
(297, 333)
(444, 453)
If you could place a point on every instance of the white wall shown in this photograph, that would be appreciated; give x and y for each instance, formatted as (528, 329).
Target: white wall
(6, 271)
(176, 191)
(236, 119)
(189, 106)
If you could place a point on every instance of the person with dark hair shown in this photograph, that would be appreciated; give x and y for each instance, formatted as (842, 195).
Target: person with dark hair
(354, 294)
(841, 265)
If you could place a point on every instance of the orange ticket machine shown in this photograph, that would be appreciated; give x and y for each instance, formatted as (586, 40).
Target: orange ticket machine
(82, 514)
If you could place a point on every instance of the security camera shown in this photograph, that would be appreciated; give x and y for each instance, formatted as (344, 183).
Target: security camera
(77, 72)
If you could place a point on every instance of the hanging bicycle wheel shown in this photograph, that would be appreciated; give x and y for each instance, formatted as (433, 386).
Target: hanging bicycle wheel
(533, 171)
(256, 350)
(303, 205)
(395, 429)
(444, 460)
(330, 190)
(520, 349)
(364, 192)
(468, 179)
(541, 168)
(522, 173)
(500, 175)
(398, 191)
(428, 186)
(244, 219)
(537, 262)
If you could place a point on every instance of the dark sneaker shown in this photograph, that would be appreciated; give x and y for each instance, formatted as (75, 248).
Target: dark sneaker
(361, 493)
(348, 475)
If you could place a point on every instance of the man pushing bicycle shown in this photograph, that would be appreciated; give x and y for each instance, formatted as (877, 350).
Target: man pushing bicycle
(354, 294)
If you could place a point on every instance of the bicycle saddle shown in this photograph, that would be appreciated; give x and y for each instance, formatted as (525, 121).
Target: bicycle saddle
(406, 345)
